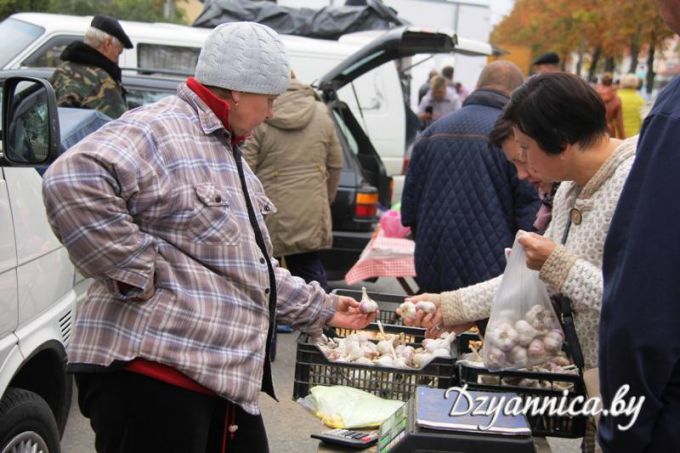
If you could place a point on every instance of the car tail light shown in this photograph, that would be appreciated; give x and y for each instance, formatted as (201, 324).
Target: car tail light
(404, 166)
(366, 204)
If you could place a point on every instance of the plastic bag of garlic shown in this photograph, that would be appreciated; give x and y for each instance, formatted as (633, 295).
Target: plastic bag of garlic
(523, 328)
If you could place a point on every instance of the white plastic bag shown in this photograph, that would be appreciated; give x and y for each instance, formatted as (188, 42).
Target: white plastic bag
(523, 329)
(339, 406)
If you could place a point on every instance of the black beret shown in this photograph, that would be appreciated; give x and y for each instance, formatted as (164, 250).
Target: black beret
(548, 58)
(112, 27)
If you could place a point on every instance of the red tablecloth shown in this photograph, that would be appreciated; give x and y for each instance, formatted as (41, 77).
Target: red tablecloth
(384, 257)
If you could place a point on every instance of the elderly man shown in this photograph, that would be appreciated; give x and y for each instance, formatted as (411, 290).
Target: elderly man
(171, 346)
(89, 77)
(462, 199)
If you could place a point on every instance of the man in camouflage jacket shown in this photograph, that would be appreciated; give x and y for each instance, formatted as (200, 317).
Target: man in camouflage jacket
(90, 76)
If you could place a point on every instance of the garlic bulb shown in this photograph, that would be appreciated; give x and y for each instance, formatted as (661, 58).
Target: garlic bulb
(405, 352)
(540, 317)
(526, 332)
(384, 360)
(553, 340)
(536, 350)
(518, 356)
(367, 305)
(400, 363)
(494, 358)
(353, 351)
(431, 344)
(502, 335)
(426, 306)
(385, 347)
(420, 359)
(371, 351)
(407, 310)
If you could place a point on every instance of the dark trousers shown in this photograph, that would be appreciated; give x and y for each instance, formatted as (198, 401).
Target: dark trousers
(309, 267)
(132, 413)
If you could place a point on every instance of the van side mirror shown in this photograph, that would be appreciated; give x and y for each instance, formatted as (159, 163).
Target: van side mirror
(30, 124)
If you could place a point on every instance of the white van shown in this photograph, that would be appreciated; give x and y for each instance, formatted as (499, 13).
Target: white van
(37, 298)
(376, 99)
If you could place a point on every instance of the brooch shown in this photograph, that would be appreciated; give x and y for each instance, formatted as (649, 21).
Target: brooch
(575, 216)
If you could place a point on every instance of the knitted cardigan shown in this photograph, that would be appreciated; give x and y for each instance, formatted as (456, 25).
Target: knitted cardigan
(573, 269)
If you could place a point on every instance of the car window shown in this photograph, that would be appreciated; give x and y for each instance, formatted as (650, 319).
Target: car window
(16, 36)
(49, 54)
(138, 96)
(347, 134)
(167, 58)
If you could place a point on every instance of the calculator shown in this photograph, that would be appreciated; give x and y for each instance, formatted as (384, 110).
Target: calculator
(348, 438)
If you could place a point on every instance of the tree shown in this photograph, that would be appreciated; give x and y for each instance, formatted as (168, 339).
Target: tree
(8, 7)
(139, 10)
(606, 29)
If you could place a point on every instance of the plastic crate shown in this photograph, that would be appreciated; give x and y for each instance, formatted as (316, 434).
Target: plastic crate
(503, 381)
(387, 303)
(313, 368)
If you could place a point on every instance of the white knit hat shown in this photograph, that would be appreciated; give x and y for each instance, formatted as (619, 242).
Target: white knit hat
(244, 56)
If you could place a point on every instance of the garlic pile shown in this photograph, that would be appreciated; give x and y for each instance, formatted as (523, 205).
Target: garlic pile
(512, 343)
(557, 365)
(408, 308)
(391, 352)
(367, 305)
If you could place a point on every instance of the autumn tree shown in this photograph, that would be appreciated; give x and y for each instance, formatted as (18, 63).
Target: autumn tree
(593, 30)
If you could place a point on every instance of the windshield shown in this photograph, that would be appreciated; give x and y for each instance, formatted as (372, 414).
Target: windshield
(16, 36)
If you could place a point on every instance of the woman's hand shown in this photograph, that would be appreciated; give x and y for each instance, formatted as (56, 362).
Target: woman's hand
(349, 316)
(537, 249)
(423, 319)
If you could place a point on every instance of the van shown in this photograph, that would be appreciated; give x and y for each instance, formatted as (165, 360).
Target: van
(37, 295)
(377, 99)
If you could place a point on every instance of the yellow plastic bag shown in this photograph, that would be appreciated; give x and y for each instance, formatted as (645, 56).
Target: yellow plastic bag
(346, 407)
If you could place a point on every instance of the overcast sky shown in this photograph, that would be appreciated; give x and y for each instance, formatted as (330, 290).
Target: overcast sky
(499, 8)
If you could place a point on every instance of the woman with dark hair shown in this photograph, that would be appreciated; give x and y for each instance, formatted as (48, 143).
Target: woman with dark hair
(559, 124)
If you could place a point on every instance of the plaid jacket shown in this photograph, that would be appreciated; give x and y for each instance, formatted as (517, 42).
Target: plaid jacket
(154, 198)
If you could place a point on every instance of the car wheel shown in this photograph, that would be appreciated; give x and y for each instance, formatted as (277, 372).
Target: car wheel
(27, 424)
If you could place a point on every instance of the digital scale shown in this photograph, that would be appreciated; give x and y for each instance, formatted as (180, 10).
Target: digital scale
(401, 433)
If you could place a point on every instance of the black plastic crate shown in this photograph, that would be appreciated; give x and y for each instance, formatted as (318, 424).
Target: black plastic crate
(313, 368)
(503, 381)
(387, 303)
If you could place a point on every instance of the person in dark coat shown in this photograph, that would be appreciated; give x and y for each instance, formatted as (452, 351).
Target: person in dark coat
(640, 323)
(89, 77)
(462, 199)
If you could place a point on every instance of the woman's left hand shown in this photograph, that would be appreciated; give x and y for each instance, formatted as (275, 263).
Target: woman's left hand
(349, 316)
(537, 249)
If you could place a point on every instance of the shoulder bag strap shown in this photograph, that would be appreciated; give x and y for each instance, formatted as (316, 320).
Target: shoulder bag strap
(563, 306)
